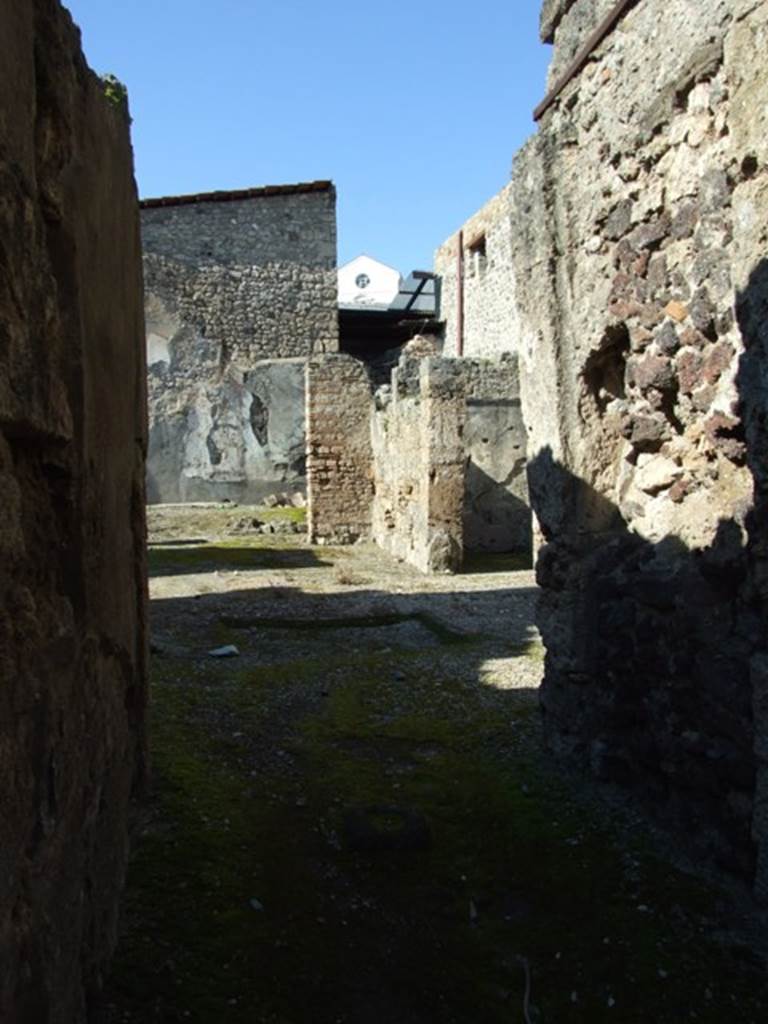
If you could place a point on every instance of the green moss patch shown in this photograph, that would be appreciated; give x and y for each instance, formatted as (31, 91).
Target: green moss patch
(281, 514)
(496, 561)
(247, 553)
(249, 899)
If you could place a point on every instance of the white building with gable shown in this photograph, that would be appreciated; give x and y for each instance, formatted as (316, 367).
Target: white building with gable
(365, 282)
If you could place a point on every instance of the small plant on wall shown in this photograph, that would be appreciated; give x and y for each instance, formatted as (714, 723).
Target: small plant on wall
(116, 93)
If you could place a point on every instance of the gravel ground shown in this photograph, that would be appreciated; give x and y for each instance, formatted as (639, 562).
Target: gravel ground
(354, 820)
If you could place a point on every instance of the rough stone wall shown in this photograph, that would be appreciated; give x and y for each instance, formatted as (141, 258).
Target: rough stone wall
(419, 461)
(490, 312)
(449, 461)
(255, 276)
(640, 253)
(232, 285)
(72, 442)
(399, 506)
(570, 22)
(339, 459)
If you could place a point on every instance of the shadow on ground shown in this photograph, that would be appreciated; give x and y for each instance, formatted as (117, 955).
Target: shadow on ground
(353, 821)
(179, 557)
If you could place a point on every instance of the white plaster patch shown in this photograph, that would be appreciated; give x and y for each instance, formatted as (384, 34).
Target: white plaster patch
(158, 350)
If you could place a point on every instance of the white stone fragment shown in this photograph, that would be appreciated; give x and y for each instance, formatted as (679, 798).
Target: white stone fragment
(657, 474)
(228, 651)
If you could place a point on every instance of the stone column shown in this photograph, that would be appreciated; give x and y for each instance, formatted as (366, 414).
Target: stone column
(443, 414)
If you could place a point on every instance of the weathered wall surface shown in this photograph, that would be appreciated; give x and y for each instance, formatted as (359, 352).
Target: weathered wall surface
(449, 461)
(72, 440)
(257, 276)
(490, 312)
(419, 462)
(238, 434)
(570, 22)
(399, 519)
(640, 254)
(434, 460)
(497, 515)
(339, 459)
(234, 280)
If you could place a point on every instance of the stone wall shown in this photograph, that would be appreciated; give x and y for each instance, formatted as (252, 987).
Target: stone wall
(640, 254)
(573, 21)
(72, 579)
(238, 435)
(339, 460)
(489, 309)
(419, 462)
(234, 283)
(497, 514)
(435, 462)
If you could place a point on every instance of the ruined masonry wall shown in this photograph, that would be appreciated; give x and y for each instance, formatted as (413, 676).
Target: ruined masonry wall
(72, 574)
(233, 287)
(419, 461)
(497, 514)
(437, 457)
(573, 21)
(490, 313)
(399, 519)
(256, 276)
(640, 278)
(339, 459)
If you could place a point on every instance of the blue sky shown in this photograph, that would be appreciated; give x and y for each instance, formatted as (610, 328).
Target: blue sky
(414, 112)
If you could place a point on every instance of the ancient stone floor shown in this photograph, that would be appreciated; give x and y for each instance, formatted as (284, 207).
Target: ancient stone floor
(352, 819)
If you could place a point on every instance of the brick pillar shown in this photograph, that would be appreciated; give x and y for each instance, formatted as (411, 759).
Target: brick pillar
(339, 458)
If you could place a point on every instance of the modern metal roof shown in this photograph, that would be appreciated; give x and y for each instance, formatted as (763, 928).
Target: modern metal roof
(418, 294)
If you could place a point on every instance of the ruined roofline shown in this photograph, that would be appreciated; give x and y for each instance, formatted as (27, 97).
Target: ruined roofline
(605, 27)
(242, 193)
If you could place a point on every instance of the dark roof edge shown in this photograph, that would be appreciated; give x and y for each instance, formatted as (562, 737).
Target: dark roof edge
(241, 193)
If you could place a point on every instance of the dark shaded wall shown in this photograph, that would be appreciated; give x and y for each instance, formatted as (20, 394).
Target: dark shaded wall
(72, 443)
(639, 275)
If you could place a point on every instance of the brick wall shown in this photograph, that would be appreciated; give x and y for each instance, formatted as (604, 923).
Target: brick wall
(339, 460)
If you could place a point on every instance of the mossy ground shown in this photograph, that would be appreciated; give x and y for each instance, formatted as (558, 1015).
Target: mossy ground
(246, 901)
(244, 553)
(491, 561)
